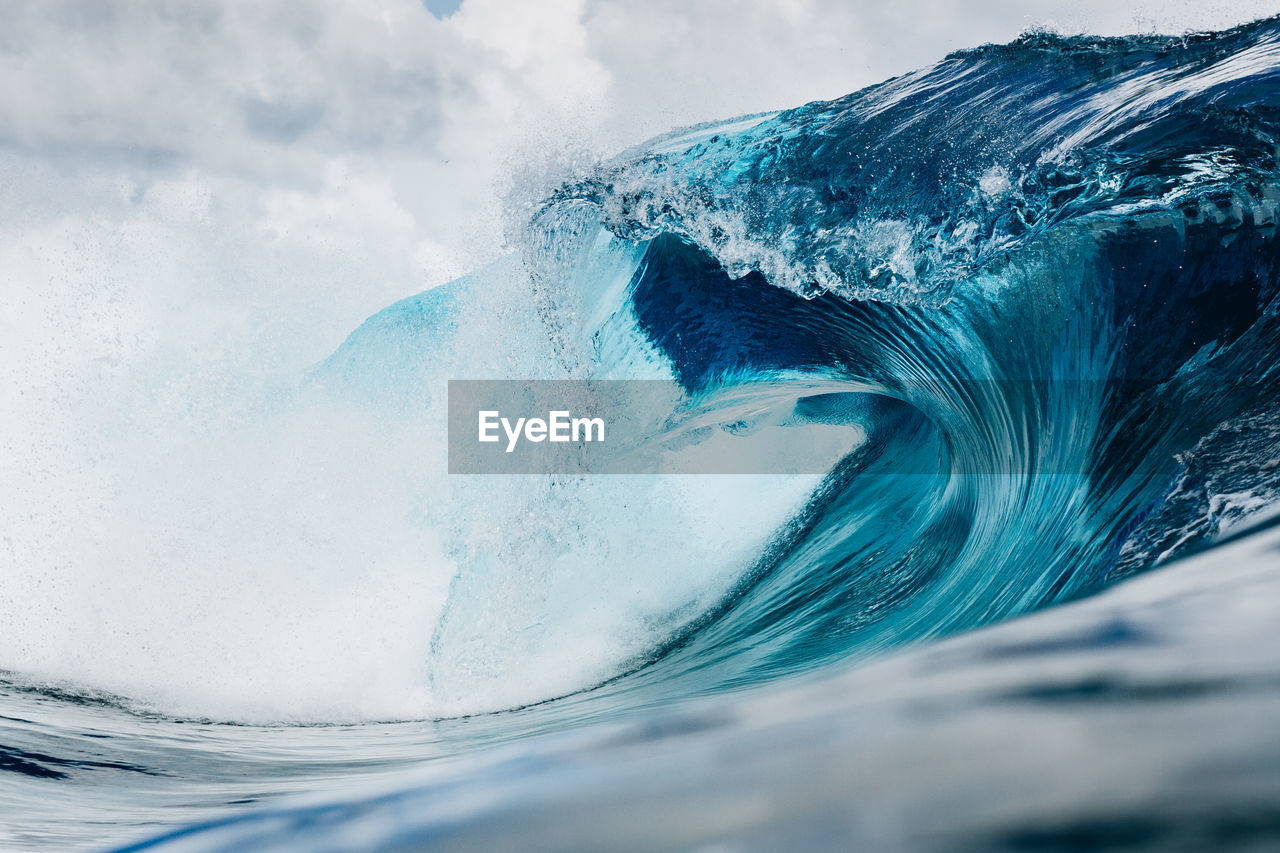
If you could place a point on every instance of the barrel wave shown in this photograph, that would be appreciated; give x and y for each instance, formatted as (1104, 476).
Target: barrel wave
(1037, 289)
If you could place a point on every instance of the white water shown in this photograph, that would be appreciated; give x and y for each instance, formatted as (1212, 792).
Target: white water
(194, 530)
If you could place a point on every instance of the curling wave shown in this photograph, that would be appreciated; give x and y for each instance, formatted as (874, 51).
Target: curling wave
(1037, 284)
(1041, 278)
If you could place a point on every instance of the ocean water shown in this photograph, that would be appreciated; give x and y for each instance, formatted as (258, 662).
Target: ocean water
(1017, 314)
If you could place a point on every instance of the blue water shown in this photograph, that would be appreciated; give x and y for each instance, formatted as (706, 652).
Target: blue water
(1037, 283)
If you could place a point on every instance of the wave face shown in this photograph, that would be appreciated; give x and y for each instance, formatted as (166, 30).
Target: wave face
(1039, 286)
(1049, 272)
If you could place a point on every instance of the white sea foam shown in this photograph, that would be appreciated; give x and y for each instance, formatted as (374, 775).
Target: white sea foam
(190, 524)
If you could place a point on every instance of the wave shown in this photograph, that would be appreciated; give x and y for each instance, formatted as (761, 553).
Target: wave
(1044, 275)
(1036, 287)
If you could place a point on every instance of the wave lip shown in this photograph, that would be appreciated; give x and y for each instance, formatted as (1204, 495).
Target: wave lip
(900, 191)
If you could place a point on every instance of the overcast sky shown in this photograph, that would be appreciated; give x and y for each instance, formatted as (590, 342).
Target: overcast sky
(294, 165)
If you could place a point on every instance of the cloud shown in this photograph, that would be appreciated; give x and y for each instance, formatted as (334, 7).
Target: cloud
(264, 102)
(244, 85)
